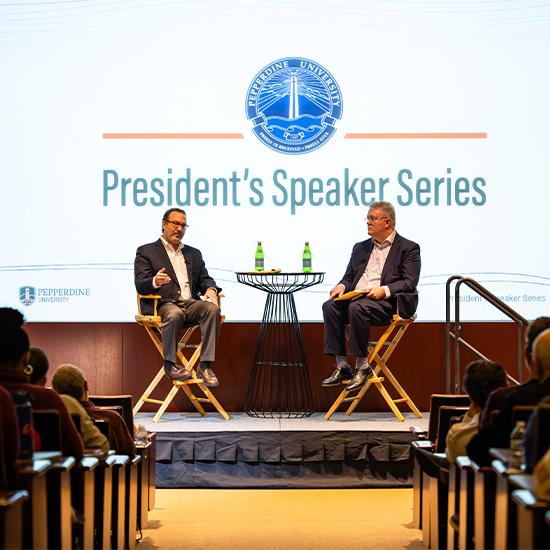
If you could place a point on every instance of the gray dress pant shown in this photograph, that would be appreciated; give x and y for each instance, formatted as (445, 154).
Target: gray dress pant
(177, 315)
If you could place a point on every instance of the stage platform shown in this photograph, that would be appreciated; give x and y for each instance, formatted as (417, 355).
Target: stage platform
(362, 450)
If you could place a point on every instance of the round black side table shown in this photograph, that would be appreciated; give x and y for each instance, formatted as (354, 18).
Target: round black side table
(279, 386)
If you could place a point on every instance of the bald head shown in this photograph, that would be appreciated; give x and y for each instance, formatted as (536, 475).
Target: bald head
(541, 354)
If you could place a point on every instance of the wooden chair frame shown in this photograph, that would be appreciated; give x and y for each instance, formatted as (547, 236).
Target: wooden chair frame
(153, 324)
(390, 338)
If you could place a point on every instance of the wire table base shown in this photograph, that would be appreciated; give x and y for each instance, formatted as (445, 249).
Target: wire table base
(279, 386)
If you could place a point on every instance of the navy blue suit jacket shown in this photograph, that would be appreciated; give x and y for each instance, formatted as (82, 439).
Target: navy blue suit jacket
(150, 258)
(400, 274)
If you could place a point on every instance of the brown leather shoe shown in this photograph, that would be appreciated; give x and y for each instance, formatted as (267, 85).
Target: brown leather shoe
(359, 378)
(175, 372)
(209, 377)
(340, 374)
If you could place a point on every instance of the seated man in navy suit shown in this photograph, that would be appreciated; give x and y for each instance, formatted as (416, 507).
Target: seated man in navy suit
(177, 273)
(387, 267)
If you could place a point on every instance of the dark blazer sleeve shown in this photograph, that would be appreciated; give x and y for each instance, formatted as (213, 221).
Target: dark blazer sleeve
(402, 274)
(143, 271)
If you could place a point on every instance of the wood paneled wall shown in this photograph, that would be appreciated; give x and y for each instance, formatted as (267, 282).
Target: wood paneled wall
(120, 358)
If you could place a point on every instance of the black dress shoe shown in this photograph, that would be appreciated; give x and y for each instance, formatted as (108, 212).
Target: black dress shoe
(175, 372)
(209, 377)
(359, 378)
(339, 375)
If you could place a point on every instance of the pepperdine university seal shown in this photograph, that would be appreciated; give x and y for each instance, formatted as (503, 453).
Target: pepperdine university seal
(293, 104)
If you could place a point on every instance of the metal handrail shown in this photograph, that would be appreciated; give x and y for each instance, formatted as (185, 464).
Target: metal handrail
(479, 289)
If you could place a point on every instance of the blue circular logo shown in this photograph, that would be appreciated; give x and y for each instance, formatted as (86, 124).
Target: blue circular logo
(293, 104)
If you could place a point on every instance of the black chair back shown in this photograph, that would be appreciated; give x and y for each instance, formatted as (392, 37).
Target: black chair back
(447, 417)
(124, 401)
(102, 424)
(47, 423)
(440, 400)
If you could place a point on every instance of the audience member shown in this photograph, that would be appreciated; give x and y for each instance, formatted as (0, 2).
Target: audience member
(541, 476)
(9, 439)
(530, 443)
(481, 378)
(14, 360)
(498, 397)
(70, 380)
(497, 432)
(39, 365)
(93, 438)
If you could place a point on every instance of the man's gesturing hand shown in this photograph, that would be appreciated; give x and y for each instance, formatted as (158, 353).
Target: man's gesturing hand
(161, 278)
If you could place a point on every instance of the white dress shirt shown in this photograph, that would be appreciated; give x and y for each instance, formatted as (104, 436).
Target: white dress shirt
(373, 272)
(178, 263)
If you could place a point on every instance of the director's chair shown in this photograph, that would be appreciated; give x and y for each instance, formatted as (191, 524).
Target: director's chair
(187, 353)
(389, 339)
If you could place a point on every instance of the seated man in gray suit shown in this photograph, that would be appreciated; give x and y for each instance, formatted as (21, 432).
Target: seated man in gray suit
(387, 267)
(177, 273)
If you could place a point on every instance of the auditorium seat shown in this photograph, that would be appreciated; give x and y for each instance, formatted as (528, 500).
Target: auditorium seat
(533, 532)
(11, 518)
(428, 441)
(31, 477)
(118, 520)
(83, 494)
(131, 502)
(103, 502)
(58, 480)
(146, 482)
(11, 500)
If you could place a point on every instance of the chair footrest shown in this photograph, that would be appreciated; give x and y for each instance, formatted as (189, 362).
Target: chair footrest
(155, 401)
(189, 381)
(400, 400)
(202, 399)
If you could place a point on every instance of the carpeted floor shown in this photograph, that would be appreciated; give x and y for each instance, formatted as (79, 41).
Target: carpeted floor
(281, 519)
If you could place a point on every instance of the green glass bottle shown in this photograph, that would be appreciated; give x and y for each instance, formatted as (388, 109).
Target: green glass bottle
(306, 259)
(259, 264)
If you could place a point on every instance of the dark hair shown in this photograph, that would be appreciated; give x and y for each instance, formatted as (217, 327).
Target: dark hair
(14, 342)
(40, 364)
(540, 324)
(481, 378)
(169, 211)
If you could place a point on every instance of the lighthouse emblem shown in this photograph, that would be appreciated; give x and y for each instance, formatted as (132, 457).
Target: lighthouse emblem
(293, 104)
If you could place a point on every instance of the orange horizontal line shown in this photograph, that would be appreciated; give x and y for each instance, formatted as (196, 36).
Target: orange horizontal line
(159, 135)
(419, 135)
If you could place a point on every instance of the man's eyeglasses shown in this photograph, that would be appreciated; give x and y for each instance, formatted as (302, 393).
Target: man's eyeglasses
(375, 218)
(178, 224)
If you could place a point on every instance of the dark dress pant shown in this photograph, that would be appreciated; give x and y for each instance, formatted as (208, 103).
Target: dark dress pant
(361, 314)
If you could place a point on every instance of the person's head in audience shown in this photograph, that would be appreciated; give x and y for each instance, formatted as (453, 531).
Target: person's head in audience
(40, 365)
(14, 342)
(481, 378)
(537, 326)
(541, 355)
(70, 380)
